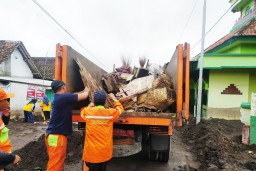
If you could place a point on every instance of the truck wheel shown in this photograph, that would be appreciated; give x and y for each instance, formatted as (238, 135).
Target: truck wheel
(152, 155)
(164, 156)
(159, 147)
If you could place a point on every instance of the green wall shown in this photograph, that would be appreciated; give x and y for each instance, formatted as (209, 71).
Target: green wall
(252, 84)
(49, 94)
(229, 61)
(234, 49)
(221, 79)
(248, 48)
(250, 4)
(253, 130)
(238, 47)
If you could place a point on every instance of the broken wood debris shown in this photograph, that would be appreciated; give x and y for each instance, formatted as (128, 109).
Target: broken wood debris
(141, 92)
(90, 82)
(149, 93)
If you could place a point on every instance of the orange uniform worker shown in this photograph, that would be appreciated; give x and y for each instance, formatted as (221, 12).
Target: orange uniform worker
(98, 146)
(60, 125)
(5, 144)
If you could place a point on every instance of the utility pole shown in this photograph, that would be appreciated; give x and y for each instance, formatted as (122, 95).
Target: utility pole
(201, 63)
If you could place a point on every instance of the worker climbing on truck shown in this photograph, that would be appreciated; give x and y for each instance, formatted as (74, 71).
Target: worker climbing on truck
(60, 125)
(98, 144)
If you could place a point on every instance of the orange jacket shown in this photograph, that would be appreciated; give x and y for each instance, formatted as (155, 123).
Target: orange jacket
(98, 144)
(5, 144)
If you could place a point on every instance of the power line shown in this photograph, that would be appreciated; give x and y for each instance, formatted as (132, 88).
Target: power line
(49, 15)
(214, 25)
(188, 20)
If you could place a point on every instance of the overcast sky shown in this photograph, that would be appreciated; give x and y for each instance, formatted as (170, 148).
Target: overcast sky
(110, 29)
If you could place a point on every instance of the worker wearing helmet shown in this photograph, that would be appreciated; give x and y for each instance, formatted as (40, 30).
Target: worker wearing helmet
(98, 144)
(60, 125)
(5, 144)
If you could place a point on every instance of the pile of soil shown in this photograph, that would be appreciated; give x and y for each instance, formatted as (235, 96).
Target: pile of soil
(218, 144)
(34, 155)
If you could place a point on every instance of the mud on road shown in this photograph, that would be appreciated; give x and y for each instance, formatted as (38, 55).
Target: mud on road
(214, 144)
(218, 144)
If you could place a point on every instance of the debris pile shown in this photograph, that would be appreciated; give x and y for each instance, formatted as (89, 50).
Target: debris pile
(141, 89)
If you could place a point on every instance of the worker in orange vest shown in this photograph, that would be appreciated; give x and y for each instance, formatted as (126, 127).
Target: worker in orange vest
(98, 146)
(5, 144)
(60, 125)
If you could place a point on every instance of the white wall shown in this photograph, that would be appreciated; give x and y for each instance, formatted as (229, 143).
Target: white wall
(19, 100)
(5, 67)
(19, 68)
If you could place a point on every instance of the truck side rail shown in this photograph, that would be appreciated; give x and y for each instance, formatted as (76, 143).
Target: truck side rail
(148, 115)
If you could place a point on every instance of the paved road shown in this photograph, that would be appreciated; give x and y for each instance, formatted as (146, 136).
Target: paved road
(180, 160)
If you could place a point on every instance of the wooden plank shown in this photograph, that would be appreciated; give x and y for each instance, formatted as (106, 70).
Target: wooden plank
(90, 82)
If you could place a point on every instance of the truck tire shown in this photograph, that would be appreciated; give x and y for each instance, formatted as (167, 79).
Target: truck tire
(164, 156)
(152, 155)
(159, 147)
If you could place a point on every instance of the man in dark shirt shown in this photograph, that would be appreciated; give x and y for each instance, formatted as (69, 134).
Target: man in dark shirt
(60, 125)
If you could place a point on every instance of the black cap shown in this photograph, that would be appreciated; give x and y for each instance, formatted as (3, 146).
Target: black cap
(56, 84)
(100, 96)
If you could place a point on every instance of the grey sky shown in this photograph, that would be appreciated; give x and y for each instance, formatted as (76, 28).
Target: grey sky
(110, 29)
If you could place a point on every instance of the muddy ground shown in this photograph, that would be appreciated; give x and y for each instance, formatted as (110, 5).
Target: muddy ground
(216, 144)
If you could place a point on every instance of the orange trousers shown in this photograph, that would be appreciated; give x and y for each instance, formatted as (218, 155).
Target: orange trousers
(56, 146)
(85, 168)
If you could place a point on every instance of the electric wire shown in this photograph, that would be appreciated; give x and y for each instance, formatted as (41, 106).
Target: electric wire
(214, 24)
(49, 15)
(190, 15)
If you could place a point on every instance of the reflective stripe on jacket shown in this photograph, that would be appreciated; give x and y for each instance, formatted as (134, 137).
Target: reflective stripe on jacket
(98, 144)
(5, 144)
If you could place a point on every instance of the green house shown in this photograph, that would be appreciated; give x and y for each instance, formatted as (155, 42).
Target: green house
(229, 70)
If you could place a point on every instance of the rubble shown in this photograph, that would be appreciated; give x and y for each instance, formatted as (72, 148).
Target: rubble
(90, 82)
(138, 89)
(142, 90)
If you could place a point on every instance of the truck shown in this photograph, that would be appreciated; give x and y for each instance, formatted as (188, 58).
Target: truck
(150, 128)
